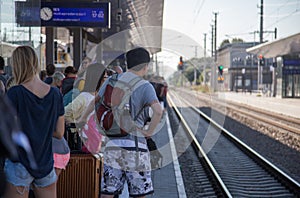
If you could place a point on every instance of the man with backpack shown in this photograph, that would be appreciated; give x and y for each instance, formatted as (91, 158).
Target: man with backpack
(126, 155)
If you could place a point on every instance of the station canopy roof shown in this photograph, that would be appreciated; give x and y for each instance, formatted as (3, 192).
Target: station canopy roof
(145, 13)
(137, 16)
(6, 49)
(280, 47)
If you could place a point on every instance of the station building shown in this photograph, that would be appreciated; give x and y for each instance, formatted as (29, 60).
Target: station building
(240, 67)
(272, 68)
(286, 55)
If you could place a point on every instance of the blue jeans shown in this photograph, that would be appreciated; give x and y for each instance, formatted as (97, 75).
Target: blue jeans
(17, 175)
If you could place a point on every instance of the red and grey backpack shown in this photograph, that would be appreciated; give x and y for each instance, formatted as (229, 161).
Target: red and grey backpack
(113, 107)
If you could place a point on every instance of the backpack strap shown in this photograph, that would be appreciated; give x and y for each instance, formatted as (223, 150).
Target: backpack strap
(132, 84)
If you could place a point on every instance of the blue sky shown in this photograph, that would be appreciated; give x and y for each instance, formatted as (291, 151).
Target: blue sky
(236, 18)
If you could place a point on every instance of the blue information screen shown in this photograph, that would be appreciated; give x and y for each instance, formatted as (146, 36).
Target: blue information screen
(63, 14)
(93, 14)
(89, 15)
(291, 62)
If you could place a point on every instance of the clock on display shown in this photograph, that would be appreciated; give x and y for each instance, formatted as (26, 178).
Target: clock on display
(46, 13)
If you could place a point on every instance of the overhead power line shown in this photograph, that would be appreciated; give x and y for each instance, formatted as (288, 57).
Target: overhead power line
(281, 4)
(198, 11)
(283, 18)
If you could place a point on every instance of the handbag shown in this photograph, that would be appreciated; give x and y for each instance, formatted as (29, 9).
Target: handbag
(91, 137)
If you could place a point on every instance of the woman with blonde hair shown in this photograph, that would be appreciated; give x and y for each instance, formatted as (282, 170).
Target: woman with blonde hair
(41, 113)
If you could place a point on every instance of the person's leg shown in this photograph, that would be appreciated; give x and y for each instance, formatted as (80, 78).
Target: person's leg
(18, 180)
(16, 191)
(113, 177)
(58, 171)
(139, 185)
(46, 186)
(112, 182)
(107, 196)
(45, 192)
(139, 180)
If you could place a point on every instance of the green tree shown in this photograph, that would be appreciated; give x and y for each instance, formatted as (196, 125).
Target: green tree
(237, 40)
(189, 74)
(224, 42)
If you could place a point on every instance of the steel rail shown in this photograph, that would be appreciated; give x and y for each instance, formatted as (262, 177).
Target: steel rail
(270, 120)
(292, 184)
(199, 148)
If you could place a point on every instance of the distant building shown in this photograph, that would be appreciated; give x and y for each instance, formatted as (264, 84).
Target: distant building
(240, 67)
(286, 71)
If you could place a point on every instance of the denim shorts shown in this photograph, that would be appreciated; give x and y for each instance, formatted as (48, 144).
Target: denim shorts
(17, 175)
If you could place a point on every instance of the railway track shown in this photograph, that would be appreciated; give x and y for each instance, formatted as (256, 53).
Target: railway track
(234, 169)
(276, 120)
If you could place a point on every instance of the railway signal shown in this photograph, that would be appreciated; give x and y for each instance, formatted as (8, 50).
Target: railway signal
(220, 79)
(180, 64)
(221, 67)
(261, 60)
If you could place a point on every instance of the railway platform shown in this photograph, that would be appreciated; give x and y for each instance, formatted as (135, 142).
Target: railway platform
(285, 106)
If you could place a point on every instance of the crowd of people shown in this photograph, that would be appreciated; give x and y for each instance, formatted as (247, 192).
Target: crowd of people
(48, 101)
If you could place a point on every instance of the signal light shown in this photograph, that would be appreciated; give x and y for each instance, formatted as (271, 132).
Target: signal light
(221, 67)
(220, 79)
(261, 60)
(180, 64)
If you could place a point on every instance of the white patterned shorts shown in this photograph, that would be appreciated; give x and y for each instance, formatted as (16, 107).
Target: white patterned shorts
(122, 166)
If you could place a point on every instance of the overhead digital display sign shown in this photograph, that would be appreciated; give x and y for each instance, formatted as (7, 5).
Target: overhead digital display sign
(86, 14)
(64, 14)
(27, 14)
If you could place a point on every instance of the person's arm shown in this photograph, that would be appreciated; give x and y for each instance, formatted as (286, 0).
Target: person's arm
(91, 107)
(60, 128)
(74, 109)
(81, 84)
(156, 117)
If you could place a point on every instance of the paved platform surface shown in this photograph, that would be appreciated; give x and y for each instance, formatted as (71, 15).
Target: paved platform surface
(285, 106)
(167, 180)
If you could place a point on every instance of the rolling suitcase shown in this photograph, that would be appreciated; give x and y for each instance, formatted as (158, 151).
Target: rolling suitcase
(82, 177)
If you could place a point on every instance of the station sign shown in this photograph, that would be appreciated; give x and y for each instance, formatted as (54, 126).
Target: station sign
(59, 14)
(291, 62)
(291, 71)
(27, 14)
(64, 14)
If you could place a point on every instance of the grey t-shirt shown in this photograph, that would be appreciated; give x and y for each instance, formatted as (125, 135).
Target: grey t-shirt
(143, 96)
